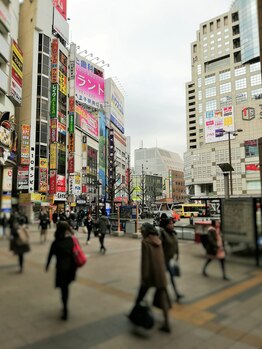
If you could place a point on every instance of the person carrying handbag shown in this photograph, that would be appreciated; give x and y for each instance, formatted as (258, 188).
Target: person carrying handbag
(171, 251)
(88, 223)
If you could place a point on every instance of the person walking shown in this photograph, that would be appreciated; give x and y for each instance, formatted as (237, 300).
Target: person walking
(153, 272)
(55, 217)
(215, 248)
(19, 241)
(44, 223)
(171, 251)
(102, 225)
(62, 248)
(88, 223)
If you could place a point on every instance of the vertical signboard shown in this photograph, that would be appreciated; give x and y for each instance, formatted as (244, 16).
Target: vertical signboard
(71, 163)
(54, 61)
(25, 145)
(16, 76)
(53, 156)
(102, 150)
(22, 177)
(53, 130)
(43, 175)
(52, 182)
(32, 170)
(53, 102)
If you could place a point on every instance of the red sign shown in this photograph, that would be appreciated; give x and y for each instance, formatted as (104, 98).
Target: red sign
(60, 5)
(71, 163)
(251, 168)
(71, 104)
(54, 61)
(52, 182)
(61, 183)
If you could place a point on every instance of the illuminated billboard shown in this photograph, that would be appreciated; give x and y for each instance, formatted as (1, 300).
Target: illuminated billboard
(86, 121)
(216, 122)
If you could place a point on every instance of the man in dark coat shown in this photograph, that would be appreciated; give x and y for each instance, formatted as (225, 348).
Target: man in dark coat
(103, 226)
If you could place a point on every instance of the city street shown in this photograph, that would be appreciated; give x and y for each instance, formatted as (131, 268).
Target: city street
(213, 314)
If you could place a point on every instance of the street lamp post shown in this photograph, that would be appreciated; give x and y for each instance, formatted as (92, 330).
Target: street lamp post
(229, 133)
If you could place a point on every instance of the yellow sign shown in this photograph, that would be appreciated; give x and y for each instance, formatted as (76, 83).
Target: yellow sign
(53, 156)
(62, 83)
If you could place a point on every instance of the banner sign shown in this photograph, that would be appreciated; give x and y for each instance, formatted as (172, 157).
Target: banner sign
(25, 145)
(71, 142)
(54, 61)
(71, 104)
(71, 184)
(216, 122)
(61, 183)
(71, 123)
(52, 182)
(252, 168)
(53, 102)
(89, 87)
(53, 130)
(71, 163)
(77, 184)
(53, 156)
(16, 78)
(61, 128)
(43, 175)
(62, 83)
(60, 5)
(31, 188)
(22, 177)
(86, 121)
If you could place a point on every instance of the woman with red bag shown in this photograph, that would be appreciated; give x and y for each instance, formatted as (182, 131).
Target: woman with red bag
(62, 248)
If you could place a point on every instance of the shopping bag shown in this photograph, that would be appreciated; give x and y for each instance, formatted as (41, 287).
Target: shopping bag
(142, 316)
(174, 268)
(79, 255)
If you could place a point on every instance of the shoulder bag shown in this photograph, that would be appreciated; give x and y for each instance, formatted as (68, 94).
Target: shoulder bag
(79, 255)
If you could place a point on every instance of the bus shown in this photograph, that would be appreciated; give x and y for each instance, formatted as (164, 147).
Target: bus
(186, 210)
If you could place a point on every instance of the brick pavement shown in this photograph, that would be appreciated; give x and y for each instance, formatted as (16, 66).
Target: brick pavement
(213, 314)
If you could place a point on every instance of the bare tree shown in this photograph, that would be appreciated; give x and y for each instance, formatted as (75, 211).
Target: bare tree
(128, 187)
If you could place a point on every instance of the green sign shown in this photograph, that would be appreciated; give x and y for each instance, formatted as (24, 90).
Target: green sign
(71, 127)
(53, 104)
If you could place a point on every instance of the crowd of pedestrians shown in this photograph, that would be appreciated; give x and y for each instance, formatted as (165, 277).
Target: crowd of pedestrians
(159, 253)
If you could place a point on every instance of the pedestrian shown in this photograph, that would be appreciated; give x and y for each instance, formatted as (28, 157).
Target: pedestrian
(88, 223)
(102, 225)
(191, 219)
(215, 248)
(62, 248)
(19, 241)
(171, 251)
(44, 223)
(55, 217)
(153, 272)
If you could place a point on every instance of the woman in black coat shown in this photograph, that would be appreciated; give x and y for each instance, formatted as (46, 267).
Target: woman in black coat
(62, 248)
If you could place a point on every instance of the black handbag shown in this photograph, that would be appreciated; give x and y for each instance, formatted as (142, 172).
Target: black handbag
(142, 316)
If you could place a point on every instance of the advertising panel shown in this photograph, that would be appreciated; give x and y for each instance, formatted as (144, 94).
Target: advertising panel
(216, 122)
(62, 83)
(53, 130)
(54, 61)
(53, 156)
(71, 123)
(16, 77)
(7, 179)
(32, 170)
(22, 177)
(60, 25)
(102, 150)
(77, 184)
(60, 5)
(71, 104)
(86, 121)
(61, 128)
(52, 182)
(71, 184)
(61, 118)
(61, 183)
(25, 145)
(117, 106)
(71, 142)
(252, 168)
(53, 102)
(89, 87)
(43, 175)
(71, 163)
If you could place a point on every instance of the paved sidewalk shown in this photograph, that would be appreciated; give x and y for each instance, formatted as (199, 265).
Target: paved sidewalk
(214, 313)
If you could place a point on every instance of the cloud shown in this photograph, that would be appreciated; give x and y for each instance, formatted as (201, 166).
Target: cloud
(148, 46)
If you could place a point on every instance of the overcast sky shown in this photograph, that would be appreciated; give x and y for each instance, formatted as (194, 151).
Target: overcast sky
(147, 44)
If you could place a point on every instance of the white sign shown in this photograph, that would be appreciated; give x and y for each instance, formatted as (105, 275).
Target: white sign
(32, 170)
(7, 179)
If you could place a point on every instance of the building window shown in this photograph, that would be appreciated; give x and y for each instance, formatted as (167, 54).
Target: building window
(218, 39)
(218, 23)
(211, 105)
(199, 70)
(225, 101)
(211, 92)
(251, 148)
(224, 75)
(204, 29)
(224, 88)
(256, 94)
(255, 80)
(199, 95)
(240, 71)
(200, 107)
(200, 120)
(210, 80)
(241, 97)
(226, 21)
(199, 82)
(254, 67)
(43, 138)
(240, 84)
(212, 42)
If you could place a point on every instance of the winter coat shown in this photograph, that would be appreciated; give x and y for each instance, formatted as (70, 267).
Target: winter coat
(153, 263)
(88, 223)
(169, 243)
(65, 264)
(211, 247)
(19, 239)
(103, 225)
(44, 221)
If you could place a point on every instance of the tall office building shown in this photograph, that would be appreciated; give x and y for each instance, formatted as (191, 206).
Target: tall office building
(11, 79)
(43, 35)
(225, 95)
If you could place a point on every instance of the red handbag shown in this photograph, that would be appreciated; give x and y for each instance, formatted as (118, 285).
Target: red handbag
(79, 255)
